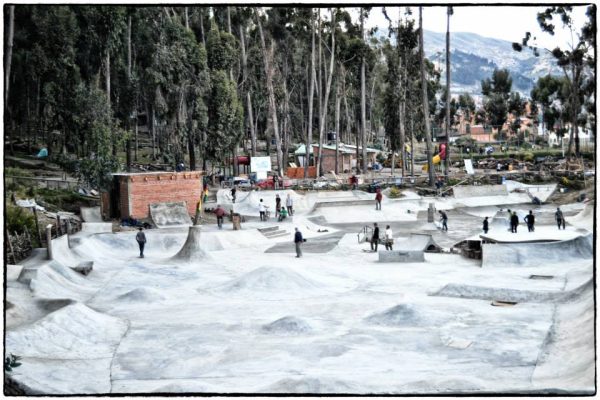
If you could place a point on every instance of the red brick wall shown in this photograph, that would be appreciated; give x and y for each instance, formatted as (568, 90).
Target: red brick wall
(145, 189)
(328, 159)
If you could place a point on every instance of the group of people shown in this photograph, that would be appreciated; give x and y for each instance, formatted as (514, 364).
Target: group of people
(529, 219)
(388, 238)
(281, 212)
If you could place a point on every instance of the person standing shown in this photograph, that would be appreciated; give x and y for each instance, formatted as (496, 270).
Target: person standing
(277, 205)
(530, 220)
(560, 218)
(140, 237)
(444, 220)
(261, 210)
(354, 181)
(289, 202)
(389, 238)
(220, 213)
(378, 198)
(233, 190)
(276, 181)
(486, 225)
(375, 237)
(298, 240)
(514, 222)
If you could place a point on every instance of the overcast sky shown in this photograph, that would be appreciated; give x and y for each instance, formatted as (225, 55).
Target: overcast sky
(500, 22)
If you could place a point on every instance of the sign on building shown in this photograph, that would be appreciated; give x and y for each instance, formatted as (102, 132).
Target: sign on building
(260, 165)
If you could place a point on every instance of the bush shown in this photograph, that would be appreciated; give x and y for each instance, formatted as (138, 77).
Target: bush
(394, 192)
(15, 171)
(528, 157)
(19, 220)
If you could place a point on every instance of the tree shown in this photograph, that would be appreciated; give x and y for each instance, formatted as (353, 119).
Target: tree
(577, 62)
(425, 99)
(547, 93)
(449, 12)
(467, 105)
(497, 91)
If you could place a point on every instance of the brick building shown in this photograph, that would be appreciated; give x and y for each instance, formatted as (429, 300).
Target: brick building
(132, 193)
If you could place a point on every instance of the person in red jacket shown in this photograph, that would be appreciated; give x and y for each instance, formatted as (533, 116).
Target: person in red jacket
(220, 213)
(378, 198)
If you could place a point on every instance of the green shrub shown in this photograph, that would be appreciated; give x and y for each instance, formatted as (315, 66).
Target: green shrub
(19, 220)
(528, 157)
(15, 171)
(394, 192)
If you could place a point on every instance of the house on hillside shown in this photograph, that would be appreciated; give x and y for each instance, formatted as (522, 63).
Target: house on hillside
(346, 155)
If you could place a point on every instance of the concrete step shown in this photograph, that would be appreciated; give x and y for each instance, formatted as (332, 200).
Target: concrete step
(269, 229)
(276, 234)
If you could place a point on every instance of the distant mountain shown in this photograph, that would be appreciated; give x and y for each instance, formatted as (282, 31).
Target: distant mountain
(474, 58)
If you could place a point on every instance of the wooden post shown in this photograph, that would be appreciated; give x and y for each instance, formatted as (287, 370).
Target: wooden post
(37, 226)
(68, 221)
(10, 247)
(49, 241)
(58, 226)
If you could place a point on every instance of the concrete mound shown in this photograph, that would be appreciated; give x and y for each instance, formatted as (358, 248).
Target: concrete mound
(308, 385)
(271, 280)
(585, 219)
(73, 332)
(141, 295)
(287, 325)
(172, 214)
(56, 282)
(536, 254)
(91, 214)
(399, 315)
(192, 248)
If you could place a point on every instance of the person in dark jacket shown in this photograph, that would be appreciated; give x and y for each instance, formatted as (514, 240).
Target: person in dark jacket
(530, 220)
(277, 205)
(444, 220)
(140, 237)
(375, 237)
(233, 190)
(486, 225)
(298, 240)
(560, 218)
(514, 222)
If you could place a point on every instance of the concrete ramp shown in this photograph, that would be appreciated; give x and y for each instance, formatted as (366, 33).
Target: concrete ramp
(91, 214)
(168, 215)
(96, 227)
(461, 192)
(537, 254)
(585, 219)
(410, 250)
(192, 249)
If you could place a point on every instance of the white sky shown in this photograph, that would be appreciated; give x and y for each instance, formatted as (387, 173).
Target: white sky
(500, 22)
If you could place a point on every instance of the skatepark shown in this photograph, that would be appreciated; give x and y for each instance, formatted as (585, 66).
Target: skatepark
(233, 311)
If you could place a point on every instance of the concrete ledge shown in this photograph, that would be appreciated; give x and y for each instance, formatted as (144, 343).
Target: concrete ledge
(13, 272)
(96, 227)
(386, 256)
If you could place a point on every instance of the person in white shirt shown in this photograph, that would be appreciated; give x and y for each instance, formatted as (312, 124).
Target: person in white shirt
(261, 210)
(289, 203)
(389, 238)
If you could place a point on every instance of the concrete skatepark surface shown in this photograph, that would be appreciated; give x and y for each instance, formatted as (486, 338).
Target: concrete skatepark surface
(223, 311)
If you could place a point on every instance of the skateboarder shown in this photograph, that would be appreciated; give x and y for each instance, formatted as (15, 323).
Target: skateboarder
(375, 237)
(378, 198)
(514, 222)
(233, 190)
(560, 218)
(444, 220)
(220, 212)
(289, 203)
(298, 240)
(486, 225)
(262, 210)
(140, 237)
(389, 238)
(277, 205)
(530, 220)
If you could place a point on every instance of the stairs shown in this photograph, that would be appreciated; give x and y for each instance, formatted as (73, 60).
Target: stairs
(273, 232)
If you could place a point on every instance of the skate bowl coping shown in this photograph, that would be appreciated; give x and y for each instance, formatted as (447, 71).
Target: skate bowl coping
(461, 192)
(170, 214)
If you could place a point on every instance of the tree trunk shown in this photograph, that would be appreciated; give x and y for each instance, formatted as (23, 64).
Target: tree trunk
(325, 101)
(311, 93)
(202, 26)
(338, 103)
(363, 100)
(402, 133)
(271, 91)
(9, 49)
(153, 130)
(128, 145)
(425, 99)
(412, 147)
(251, 123)
(448, 97)
(187, 18)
